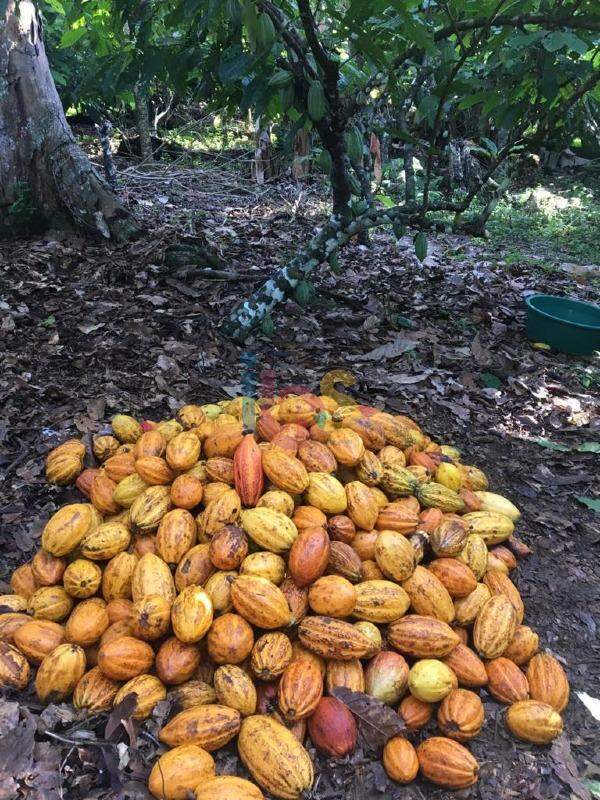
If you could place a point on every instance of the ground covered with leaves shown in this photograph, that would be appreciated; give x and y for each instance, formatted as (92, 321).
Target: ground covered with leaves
(89, 330)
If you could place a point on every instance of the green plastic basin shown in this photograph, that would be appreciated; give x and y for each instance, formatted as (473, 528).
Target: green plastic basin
(570, 326)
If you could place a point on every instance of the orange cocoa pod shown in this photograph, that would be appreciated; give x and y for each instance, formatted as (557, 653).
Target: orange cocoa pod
(341, 528)
(10, 622)
(82, 578)
(500, 584)
(447, 763)
(400, 760)
(176, 535)
(210, 727)
(422, 637)
(14, 669)
(119, 609)
(46, 569)
(151, 617)
(101, 494)
(300, 689)
(271, 654)
(523, 646)
(248, 477)
(230, 639)
(364, 544)
(308, 556)
(467, 666)
(345, 561)
(267, 426)
(297, 600)
(228, 547)
(333, 638)
(117, 468)
(179, 771)
(316, 457)
(548, 682)
(177, 661)
(386, 677)
(84, 481)
(23, 581)
(332, 596)
(195, 568)
(148, 691)
(123, 658)
(308, 517)
(38, 638)
(154, 471)
(118, 575)
(494, 627)
(186, 491)
(183, 450)
(533, 721)
(415, 713)
(87, 623)
(224, 441)
(506, 682)
(461, 715)
(397, 516)
(346, 674)
(456, 576)
(150, 443)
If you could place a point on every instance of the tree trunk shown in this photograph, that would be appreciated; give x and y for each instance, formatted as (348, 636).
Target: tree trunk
(262, 163)
(301, 162)
(142, 121)
(38, 152)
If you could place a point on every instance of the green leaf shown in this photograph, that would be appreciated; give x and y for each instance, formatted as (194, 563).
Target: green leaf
(234, 64)
(490, 381)
(267, 325)
(420, 242)
(49, 321)
(562, 448)
(55, 5)
(71, 36)
(590, 502)
(593, 786)
(385, 200)
(588, 447)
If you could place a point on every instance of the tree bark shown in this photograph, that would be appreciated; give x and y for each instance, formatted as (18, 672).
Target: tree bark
(142, 121)
(301, 162)
(37, 148)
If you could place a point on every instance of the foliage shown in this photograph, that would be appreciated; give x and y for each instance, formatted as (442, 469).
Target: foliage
(455, 87)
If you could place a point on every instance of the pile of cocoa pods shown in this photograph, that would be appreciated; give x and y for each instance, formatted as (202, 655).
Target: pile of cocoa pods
(249, 571)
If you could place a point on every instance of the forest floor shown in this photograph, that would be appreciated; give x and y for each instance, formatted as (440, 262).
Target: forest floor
(89, 330)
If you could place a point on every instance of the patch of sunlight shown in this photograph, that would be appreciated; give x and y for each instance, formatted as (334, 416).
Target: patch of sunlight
(550, 202)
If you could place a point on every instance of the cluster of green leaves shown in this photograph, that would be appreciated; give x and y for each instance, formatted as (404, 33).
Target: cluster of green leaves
(425, 73)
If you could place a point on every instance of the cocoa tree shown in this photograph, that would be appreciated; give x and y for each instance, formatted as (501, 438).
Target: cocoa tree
(423, 69)
(39, 156)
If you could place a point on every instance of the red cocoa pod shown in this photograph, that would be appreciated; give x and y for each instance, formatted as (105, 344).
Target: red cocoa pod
(332, 728)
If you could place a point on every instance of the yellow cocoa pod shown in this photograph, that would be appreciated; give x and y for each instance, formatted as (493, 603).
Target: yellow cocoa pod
(270, 530)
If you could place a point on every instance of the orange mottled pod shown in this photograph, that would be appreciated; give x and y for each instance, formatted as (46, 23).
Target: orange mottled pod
(341, 528)
(415, 713)
(309, 556)
(228, 547)
(101, 494)
(309, 517)
(176, 662)
(248, 473)
(84, 481)
(400, 760)
(186, 491)
(300, 689)
(46, 569)
(23, 581)
(230, 639)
